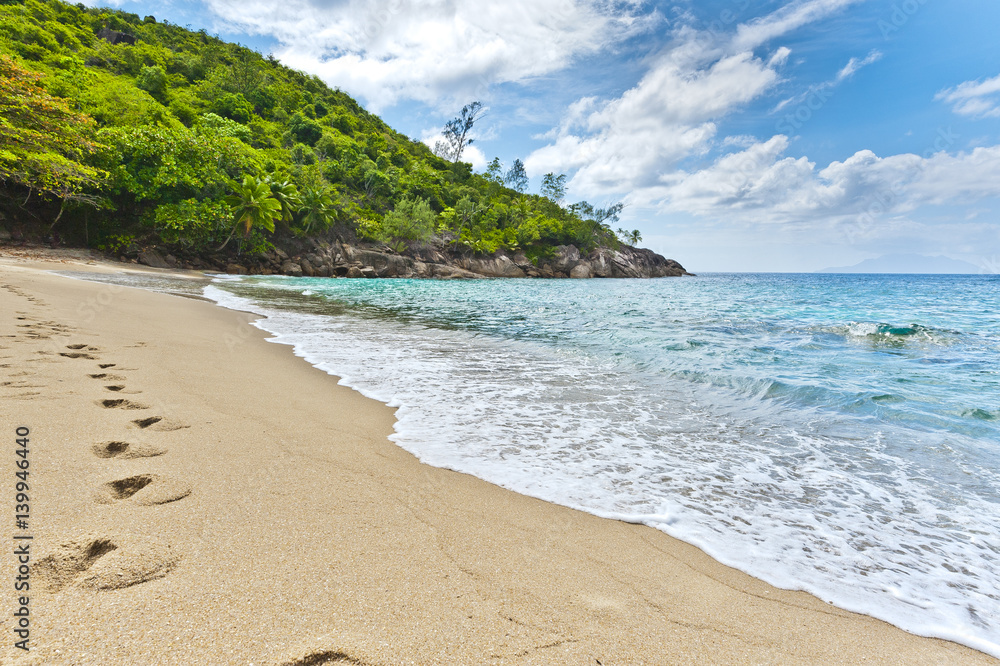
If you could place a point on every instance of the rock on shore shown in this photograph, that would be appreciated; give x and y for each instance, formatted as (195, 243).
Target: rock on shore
(336, 259)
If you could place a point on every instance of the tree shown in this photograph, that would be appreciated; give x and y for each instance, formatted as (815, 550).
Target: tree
(287, 195)
(253, 206)
(304, 130)
(153, 80)
(456, 132)
(554, 187)
(317, 208)
(517, 177)
(43, 142)
(412, 219)
(494, 171)
(633, 237)
(233, 106)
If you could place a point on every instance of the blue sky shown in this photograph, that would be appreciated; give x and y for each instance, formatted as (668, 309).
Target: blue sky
(742, 134)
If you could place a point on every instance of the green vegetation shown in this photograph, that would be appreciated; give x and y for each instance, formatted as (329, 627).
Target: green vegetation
(180, 140)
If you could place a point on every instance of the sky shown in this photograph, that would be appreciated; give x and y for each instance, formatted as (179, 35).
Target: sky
(742, 135)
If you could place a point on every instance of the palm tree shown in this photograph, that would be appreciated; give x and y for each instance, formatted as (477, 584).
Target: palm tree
(287, 195)
(253, 206)
(316, 207)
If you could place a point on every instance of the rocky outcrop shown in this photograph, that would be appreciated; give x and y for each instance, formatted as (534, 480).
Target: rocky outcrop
(353, 260)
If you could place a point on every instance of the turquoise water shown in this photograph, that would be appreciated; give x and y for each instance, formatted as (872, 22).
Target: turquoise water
(838, 434)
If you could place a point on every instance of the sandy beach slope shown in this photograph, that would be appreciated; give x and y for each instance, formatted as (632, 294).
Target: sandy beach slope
(201, 496)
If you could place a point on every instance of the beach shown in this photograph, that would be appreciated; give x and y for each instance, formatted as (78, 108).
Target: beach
(199, 495)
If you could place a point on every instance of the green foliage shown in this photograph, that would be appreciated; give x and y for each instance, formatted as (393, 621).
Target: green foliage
(233, 106)
(412, 219)
(317, 209)
(153, 80)
(181, 139)
(192, 223)
(212, 124)
(253, 206)
(304, 130)
(43, 143)
(554, 187)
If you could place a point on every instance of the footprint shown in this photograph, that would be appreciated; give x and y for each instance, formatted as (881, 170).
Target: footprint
(121, 403)
(324, 657)
(160, 423)
(77, 355)
(106, 365)
(144, 490)
(58, 570)
(104, 375)
(126, 450)
(120, 388)
(105, 564)
(75, 346)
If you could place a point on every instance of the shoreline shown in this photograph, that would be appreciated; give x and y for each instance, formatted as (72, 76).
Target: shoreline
(305, 530)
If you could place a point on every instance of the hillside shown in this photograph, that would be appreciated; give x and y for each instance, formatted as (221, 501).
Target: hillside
(127, 134)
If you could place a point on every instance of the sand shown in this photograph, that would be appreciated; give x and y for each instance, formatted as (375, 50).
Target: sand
(201, 496)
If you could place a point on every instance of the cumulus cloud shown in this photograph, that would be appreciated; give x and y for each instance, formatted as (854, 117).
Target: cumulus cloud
(666, 117)
(642, 143)
(626, 143)
(979, 99)
(762, 185)
(436, 51)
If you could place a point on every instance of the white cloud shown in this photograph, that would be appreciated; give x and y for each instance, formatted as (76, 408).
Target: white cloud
(671, 114)
(820, 91)
(853, 65)
(782, 21)
(761, 185)
(438, 51)
(979, 99)
(666, 117)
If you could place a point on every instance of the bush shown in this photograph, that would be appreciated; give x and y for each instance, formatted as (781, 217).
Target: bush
(304, 130)
(412, 219)
(220, 126)
(233, 106)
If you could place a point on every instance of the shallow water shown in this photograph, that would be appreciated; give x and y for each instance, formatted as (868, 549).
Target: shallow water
(832, 433)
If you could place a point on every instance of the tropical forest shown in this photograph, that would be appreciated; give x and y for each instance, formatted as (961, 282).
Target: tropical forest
(126, 134)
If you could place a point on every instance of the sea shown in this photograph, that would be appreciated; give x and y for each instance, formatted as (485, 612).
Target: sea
(837, 434)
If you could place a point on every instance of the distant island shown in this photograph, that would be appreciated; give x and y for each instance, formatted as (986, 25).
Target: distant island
(143, 139)
(909, 263)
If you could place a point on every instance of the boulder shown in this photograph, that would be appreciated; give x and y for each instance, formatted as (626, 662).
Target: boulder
(369, 272)
(581, 270)
(499, 266)
(153, 258)
(384, 265)
(289, 267)
(566, 257)
(307, 267)
(235, 269)
(354, 272)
